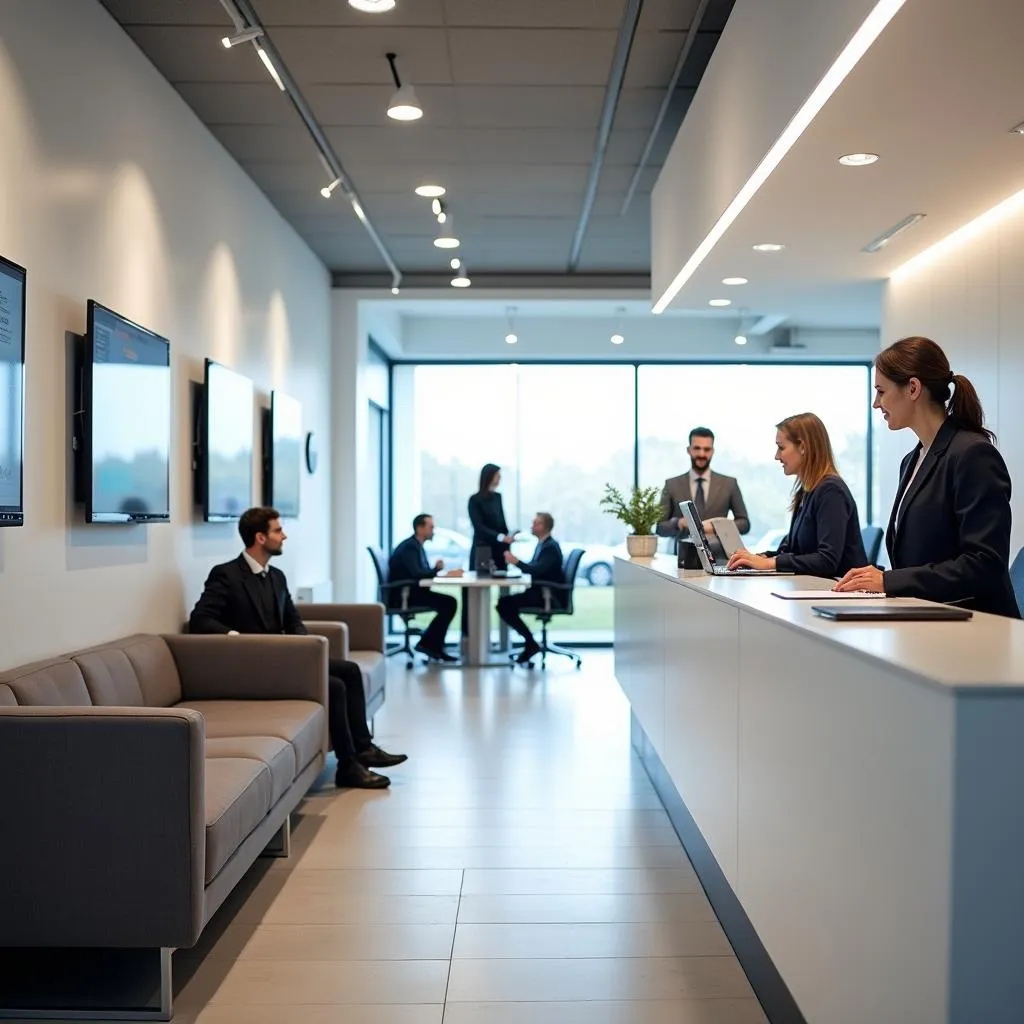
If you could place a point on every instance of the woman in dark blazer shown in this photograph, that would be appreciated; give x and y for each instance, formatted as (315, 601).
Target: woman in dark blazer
(488, 517)
(949, 532)
(824, 534)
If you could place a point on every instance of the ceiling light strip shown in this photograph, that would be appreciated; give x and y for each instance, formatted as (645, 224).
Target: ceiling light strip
(244, 16)
(882, 13)
(989, 219)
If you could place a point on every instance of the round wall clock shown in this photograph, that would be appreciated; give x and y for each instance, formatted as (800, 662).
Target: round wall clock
(312, 456)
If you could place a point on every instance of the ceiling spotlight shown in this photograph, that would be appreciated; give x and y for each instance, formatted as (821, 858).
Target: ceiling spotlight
(394, 289)
(244, 36)
(740, 339)
(461, 278)
(887, 236)
(720, 302)
(1017, 129)
(768, 247)
(403, 105)
(446, 238)
(617, 337)
(511, 337)
(328, 190)
(430, 191)
(455, 263)
(372, 6)
(436, 207)
(858, 159)
(734, 280)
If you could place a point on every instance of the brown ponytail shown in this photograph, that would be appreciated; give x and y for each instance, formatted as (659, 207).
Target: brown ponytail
(922, 358)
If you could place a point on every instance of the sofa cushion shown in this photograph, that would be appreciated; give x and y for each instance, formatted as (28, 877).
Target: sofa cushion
(7, 698)
(303, 723)
(137, 671)
(54, 683)
(374, 668)
(277, 754)
(237, 800)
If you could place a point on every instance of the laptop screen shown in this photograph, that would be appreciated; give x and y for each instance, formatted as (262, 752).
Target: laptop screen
(697, 534)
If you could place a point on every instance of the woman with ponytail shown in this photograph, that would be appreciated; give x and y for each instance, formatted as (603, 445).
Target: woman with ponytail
(949, 532)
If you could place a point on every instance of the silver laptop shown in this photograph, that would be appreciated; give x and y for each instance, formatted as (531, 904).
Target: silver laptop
(705, 554)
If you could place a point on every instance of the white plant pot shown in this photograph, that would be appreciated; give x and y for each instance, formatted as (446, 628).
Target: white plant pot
(642, 546)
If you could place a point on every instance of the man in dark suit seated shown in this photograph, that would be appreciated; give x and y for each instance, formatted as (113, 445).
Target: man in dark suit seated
(247, 595)
(544, 567)
(409, 562)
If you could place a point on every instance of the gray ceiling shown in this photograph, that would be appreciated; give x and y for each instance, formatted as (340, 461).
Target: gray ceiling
(512, 92)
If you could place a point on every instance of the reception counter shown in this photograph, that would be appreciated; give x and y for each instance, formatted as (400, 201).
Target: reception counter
(851, 794)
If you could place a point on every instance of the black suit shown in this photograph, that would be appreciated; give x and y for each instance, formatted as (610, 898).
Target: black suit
(824, 538)
(235, 598)
(408, 563)
(951, 541)
(544, 567)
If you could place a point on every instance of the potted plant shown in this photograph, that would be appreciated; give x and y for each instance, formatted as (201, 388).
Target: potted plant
(640, 513)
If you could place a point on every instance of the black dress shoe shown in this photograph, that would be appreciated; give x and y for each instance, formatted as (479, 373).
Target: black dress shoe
(527, 653)
(435, 654)
(374, 757)
(352, 774)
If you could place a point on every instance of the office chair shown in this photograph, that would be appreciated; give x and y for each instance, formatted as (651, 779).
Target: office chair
(549, 609)
(1017, 579)
(398, 597)
(872, 538)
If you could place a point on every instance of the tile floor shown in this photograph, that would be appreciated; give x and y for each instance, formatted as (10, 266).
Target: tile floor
(520, 869)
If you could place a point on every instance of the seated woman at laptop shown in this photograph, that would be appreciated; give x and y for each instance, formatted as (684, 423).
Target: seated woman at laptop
(824, 534)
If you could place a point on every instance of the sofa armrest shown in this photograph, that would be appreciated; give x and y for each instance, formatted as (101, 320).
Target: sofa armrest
(365, 622)
(250, 667)
(104, 839)
(336, 633)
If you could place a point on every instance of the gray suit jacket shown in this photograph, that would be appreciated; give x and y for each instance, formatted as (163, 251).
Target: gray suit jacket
(723, 497)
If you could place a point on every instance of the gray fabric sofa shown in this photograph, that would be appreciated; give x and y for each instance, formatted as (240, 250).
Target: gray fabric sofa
(355, 632)
(140, 780)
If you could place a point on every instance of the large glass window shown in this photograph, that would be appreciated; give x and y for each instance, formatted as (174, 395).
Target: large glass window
(742, 404)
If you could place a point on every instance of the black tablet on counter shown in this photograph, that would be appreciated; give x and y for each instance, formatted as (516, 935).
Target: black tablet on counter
(854, 611)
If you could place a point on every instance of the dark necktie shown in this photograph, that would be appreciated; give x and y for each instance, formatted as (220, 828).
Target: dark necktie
(698, 498)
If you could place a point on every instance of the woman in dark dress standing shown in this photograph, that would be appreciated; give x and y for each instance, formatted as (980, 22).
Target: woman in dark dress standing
(488, 518)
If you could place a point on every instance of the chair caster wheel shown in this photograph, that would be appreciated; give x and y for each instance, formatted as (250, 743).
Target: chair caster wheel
(408, 664)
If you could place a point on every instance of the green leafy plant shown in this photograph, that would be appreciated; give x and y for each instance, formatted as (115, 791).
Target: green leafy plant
(641, 512)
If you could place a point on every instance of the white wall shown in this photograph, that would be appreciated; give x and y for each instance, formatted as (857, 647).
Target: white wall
(969, 299)
(110, 188)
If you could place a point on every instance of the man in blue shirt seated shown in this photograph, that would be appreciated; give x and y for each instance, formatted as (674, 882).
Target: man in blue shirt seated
(409, 563)
(544, 567)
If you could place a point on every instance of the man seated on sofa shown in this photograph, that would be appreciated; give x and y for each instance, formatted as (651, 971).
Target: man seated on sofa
(409, 562)
(248, 595)
(544, 567)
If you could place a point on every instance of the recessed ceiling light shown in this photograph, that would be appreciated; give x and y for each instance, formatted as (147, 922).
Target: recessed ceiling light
(372, 6)
(510, 338)
(720, 302)
(617, 339)
(461, 280)
(858, 159)
(768, 247)
(430, 191)
(740, 339)
(734, 280)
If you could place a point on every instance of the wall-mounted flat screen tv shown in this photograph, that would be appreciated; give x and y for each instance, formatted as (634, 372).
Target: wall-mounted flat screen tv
(226, 443)
(12, 393)
(126, 410)
(282, 455)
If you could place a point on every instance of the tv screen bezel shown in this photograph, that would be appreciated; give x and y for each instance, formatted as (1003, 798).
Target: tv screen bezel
(115, 518)
(204, 448)
(9, 515)
(270, 458)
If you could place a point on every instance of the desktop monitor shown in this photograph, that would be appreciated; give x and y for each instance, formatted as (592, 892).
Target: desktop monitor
(226, 444)
(12, 393)
(282, 455)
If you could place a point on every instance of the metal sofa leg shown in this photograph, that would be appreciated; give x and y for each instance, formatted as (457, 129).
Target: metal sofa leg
(281, 844)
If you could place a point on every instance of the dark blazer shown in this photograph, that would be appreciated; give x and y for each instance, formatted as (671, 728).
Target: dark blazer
(230, 601)
(952, 543)
(824, 536)
(409, 562)
(723, 496)
(487, 515)
(544, 567)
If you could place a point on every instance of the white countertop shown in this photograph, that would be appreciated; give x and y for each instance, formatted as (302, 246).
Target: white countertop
(984, 653)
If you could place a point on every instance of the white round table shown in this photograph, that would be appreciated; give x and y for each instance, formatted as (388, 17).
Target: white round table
(477, 595)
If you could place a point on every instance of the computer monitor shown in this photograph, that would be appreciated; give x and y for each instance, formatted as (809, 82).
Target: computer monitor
(698, 536)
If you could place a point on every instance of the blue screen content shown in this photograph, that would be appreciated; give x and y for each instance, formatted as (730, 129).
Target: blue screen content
(229, 443)
(12, 390)
(131, 422)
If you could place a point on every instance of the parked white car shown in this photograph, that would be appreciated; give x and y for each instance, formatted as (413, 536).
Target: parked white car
(454, 550)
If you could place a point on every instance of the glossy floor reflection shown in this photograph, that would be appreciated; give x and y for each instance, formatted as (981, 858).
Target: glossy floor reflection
(520, 869)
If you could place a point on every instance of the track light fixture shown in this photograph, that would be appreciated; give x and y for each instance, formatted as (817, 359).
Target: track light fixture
(461, 278)
(269, 65)
(403, 105)
(617, 337)
(328, 190)
(245, 35)
(372, 6)
(447, 238)
(437, 208)
(455, 263)
(511, 337)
